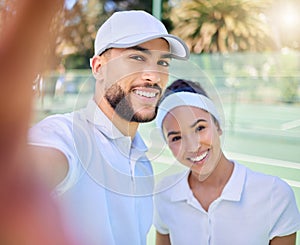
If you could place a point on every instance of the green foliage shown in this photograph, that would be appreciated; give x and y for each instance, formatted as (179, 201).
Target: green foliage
(289, 89)
(287, 76)
(269, 77)
(74, 30)
(223, 26)
(78, 61)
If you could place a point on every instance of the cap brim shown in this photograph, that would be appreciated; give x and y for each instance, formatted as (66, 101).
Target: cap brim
(177, 47)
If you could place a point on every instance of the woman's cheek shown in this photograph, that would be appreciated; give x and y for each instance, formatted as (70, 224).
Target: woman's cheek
(175, 149)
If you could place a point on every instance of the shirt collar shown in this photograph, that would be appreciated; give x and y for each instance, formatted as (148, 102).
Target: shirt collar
(232, 190)
(182, 190)
(96, 116)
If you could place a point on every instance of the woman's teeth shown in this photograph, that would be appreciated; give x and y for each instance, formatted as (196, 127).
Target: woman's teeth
(199, 158)
(145, 94)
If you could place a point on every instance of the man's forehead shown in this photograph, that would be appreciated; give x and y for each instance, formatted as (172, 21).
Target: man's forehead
(149, 51)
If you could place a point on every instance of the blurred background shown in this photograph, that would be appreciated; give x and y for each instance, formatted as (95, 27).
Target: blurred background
(249, 51)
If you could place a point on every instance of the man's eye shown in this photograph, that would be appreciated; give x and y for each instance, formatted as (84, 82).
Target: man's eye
(163, 63)
(137, 57)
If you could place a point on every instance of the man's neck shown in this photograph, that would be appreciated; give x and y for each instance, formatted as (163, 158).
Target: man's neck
(126, 128)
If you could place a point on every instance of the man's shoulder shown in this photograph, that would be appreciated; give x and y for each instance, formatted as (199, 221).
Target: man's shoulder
(171, 182)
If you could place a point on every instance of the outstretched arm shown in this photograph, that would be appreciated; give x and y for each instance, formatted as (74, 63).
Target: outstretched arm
(28, 215)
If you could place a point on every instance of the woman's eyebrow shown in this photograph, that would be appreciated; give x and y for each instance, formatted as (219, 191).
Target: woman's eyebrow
(195, 123)
(172, 132)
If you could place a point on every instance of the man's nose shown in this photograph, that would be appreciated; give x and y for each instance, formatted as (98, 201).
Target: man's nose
(152, 74)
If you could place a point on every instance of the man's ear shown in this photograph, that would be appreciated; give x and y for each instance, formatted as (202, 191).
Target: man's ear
(96, 63)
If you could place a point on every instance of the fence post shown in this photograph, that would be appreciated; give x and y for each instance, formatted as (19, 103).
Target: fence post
(156, 8)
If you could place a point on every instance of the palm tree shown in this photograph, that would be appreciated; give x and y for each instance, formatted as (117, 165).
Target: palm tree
(223, 25)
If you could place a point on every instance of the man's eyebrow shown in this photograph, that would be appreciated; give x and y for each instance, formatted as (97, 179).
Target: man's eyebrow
(139, 48)
(147, 51)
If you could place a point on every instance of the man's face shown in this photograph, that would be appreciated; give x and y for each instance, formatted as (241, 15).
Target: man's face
(135, 78)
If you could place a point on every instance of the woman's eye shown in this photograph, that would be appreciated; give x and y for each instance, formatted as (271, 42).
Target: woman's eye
(163, 63)
(199, 128)
(176, 138)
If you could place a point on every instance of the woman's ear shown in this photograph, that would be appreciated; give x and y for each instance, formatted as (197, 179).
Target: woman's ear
(220, 131)
(217, 124)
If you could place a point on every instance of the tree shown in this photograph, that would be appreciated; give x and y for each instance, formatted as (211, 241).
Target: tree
(75, 28)
(74, 31)
(223, 25)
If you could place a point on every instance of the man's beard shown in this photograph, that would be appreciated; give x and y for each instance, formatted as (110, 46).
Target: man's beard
(118, 100)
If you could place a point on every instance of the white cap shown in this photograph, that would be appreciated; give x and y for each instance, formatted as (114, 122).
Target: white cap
(126, 29)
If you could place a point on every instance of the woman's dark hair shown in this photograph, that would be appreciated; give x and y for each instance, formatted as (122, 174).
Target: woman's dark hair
(182, 85)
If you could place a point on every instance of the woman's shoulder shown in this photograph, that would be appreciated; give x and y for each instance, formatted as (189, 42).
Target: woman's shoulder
(260, 179)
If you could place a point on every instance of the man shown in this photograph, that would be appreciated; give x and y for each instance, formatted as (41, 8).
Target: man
(94, 158)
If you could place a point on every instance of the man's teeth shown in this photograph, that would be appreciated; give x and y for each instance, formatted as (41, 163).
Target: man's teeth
(145, 94)
(199, 158)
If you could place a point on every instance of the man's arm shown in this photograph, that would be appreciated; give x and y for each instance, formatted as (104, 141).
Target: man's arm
(28, 214)
(50, 165)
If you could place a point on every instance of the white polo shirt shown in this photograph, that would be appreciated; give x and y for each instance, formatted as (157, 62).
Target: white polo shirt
(106, 197)
(252, 209)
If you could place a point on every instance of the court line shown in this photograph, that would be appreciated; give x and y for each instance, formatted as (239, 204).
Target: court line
(249, 158)
(241, 157)
(263, 160)
(293, 183)
(290, 125)
(268, 161)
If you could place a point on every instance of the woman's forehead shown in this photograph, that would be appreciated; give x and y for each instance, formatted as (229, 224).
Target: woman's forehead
(190, 111)
(186, 115)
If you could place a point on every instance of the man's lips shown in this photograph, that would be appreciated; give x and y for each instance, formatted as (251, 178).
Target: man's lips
(147, 91)
(147, 94)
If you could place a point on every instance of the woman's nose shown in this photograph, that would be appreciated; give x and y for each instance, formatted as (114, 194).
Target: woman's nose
(192, 143)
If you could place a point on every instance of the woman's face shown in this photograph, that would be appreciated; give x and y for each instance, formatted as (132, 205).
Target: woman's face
(194, 139)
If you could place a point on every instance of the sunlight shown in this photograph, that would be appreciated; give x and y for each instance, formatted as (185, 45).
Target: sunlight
(289, 17)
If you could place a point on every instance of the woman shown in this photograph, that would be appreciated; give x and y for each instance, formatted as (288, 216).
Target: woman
(218, 201)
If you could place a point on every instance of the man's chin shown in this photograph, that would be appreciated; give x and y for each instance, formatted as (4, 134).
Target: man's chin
(143, 118)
